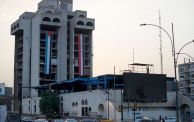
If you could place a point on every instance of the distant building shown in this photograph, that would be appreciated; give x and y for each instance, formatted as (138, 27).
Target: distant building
(186, 79)
(6, 96)
(5, 91)
(53, 44)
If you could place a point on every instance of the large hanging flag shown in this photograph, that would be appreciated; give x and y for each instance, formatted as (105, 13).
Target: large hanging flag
(48, 53)
(80, 54)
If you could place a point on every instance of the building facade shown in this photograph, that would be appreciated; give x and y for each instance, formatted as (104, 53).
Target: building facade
(186, 79)
(52, 44)
(98, 104)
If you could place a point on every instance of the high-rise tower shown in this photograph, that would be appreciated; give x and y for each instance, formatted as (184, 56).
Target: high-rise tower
(53, 44)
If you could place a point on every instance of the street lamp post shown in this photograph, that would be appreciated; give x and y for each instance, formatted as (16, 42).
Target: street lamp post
(175, 61)
(179, 52)
(190, 57)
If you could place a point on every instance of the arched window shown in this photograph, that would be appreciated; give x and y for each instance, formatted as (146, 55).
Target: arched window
(46, 19)
(82, 16)
(100, 107)
(48, 12)
(73, 104)
(86, 102)
(56, 20)
(80, 23)
(17, 25)
(82, 102)
(89, 24)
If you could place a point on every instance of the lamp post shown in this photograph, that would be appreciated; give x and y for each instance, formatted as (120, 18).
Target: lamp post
(190, 57)
(175, 61)
(179, 52)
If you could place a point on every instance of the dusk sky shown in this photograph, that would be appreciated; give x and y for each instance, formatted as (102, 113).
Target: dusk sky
(117, 32)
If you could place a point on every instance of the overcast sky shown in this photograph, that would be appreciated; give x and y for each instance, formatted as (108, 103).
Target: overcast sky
(116, 34)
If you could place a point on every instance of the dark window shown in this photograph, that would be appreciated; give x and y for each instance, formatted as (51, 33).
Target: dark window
(86, 102)
(49, 12)
(192, 75)
(46, 19)
(80, 23)
(67, 77)
(61, 98)
(34, 108)
(69, 17)
(86, 111)
(82, 102)
(75, 54)
(68, 24)
(82, 111)
(68, 63)
(56, 20)
(87, 62)
(87, 40)
(76, 69)
(89, 24)
(68, 31)
(75, 46)
(82, 16)
(90, 109)
(54, 36)
(42, 36)
(61, 107)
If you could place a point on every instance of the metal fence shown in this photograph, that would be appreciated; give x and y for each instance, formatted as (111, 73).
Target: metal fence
(13, 117)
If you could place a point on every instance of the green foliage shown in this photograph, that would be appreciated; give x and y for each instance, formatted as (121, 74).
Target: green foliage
(49, 103)
(1, 101)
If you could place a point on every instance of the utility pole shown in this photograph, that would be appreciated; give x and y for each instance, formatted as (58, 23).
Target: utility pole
(114, 97)
(160, 36)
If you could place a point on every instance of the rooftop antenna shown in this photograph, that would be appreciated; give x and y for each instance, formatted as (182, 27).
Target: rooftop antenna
(160, 36)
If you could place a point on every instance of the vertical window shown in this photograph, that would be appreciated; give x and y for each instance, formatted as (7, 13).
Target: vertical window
(34, 108)
(61, 98)
(181, 69)
(90, 109)
(86, 111)
(82, 111)
(86, 102)
(61, 107)
(82, 102)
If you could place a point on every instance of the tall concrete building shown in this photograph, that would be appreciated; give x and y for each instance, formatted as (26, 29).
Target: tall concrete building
(186, 79)
(52, 44)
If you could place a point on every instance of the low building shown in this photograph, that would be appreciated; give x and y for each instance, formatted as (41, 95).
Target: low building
(95, 104)
(89, 97)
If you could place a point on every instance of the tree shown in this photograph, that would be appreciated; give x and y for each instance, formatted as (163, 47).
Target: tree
(49, 103)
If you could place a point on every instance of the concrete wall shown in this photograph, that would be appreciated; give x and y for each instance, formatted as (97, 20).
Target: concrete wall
(31, 105)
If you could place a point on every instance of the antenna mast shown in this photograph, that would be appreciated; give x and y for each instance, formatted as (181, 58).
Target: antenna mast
(160, 36)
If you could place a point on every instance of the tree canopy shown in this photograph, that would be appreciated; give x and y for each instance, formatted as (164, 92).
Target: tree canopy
(49, 103)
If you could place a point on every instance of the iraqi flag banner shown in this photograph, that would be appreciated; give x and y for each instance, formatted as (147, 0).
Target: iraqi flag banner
(48, 53)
